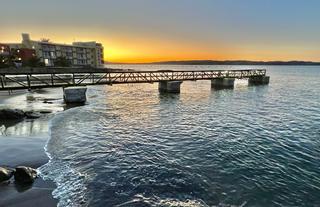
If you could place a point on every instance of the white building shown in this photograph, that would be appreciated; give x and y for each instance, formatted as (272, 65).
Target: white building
(78, 53)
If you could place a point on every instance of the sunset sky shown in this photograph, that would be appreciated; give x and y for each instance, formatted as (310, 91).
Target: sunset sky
(158, 30)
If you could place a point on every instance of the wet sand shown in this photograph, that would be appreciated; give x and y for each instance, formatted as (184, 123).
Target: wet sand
(15, 151)
(22, 143)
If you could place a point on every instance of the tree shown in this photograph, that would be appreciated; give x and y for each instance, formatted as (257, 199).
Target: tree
(62, 62)
(6, 61)
(33, 62)
(3, 63)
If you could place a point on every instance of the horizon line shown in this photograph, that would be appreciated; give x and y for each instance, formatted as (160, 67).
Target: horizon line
(217, 61)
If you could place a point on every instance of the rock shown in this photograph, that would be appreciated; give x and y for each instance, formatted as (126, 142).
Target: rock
(25, 174)
(45, 111)
(30, 97)
(49, 100)
(5, 174)
(11, 114)
(32, 115)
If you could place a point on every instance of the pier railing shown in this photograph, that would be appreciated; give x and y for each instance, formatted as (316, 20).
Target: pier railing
(55, 78)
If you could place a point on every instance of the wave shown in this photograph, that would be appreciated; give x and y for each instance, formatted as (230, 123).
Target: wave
(70, 190)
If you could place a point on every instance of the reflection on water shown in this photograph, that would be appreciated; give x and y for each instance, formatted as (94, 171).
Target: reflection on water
(46, 100)
(25, 128)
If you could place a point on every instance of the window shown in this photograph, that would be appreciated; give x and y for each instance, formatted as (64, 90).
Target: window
(46, 62)
(46, 54)
(45, 47)
(52, 54)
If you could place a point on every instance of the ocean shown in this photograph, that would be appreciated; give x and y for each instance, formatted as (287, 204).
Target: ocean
(248, 146)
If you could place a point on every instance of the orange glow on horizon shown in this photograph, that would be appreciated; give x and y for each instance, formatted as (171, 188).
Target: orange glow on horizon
(132, 49)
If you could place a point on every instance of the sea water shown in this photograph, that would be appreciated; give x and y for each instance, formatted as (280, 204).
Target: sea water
(250, 146)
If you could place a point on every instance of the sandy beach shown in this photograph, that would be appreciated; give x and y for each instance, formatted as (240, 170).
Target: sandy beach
(28, 151)
(22, 144)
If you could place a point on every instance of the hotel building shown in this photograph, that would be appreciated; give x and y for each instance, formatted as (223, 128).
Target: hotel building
(79, 54)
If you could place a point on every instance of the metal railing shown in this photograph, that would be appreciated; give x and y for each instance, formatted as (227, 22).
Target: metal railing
(13, 81)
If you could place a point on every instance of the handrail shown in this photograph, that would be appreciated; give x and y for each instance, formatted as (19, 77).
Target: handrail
(45, 79)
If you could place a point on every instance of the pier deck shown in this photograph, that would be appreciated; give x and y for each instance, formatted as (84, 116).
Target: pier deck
(32, 78)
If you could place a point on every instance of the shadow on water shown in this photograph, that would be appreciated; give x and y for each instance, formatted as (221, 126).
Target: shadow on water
(221, 88)
(22, 187)
(165, 98)
(73, 105)
(259, 89)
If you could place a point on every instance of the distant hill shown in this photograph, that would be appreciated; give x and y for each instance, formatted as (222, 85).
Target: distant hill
(235, 62)
(227, 62)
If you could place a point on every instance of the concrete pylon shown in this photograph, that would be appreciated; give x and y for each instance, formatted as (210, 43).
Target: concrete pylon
(222, 83)
(170, 86)
(259, 80)
(75, 94)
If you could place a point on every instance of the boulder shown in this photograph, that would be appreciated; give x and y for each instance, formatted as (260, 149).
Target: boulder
(11, 114)
(5, 174)
(24, 174)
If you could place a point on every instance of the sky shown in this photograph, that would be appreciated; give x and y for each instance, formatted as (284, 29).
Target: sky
(160, 30)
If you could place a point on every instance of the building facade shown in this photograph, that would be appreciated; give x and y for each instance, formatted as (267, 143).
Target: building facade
(78, 54)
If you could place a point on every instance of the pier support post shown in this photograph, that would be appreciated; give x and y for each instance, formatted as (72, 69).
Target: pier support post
(222, 83)
(75, 94)
(162, 86)
(170, 86)
(259, 80)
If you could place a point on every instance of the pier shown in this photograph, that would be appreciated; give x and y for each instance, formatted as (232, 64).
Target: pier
(169, 81)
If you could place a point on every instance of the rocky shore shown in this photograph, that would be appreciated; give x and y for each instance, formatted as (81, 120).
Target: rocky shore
(20, 183)
(22, 175)
(18, 114)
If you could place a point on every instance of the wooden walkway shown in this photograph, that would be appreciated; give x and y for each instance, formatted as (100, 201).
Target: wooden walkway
(13, 79)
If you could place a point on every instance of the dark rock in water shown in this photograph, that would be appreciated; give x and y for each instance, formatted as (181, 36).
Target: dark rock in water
(11, 114)
(25, 174)
(5, 174)
(45, 111)
(32, 115)
(49, 100)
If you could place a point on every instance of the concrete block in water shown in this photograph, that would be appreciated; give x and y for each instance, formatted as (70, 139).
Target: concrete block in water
(222, 83)
(75, 94)
(162, 86)
(259, 80)
(170, 86)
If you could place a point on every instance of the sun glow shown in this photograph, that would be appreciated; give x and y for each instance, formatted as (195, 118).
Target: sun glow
(133, 49)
